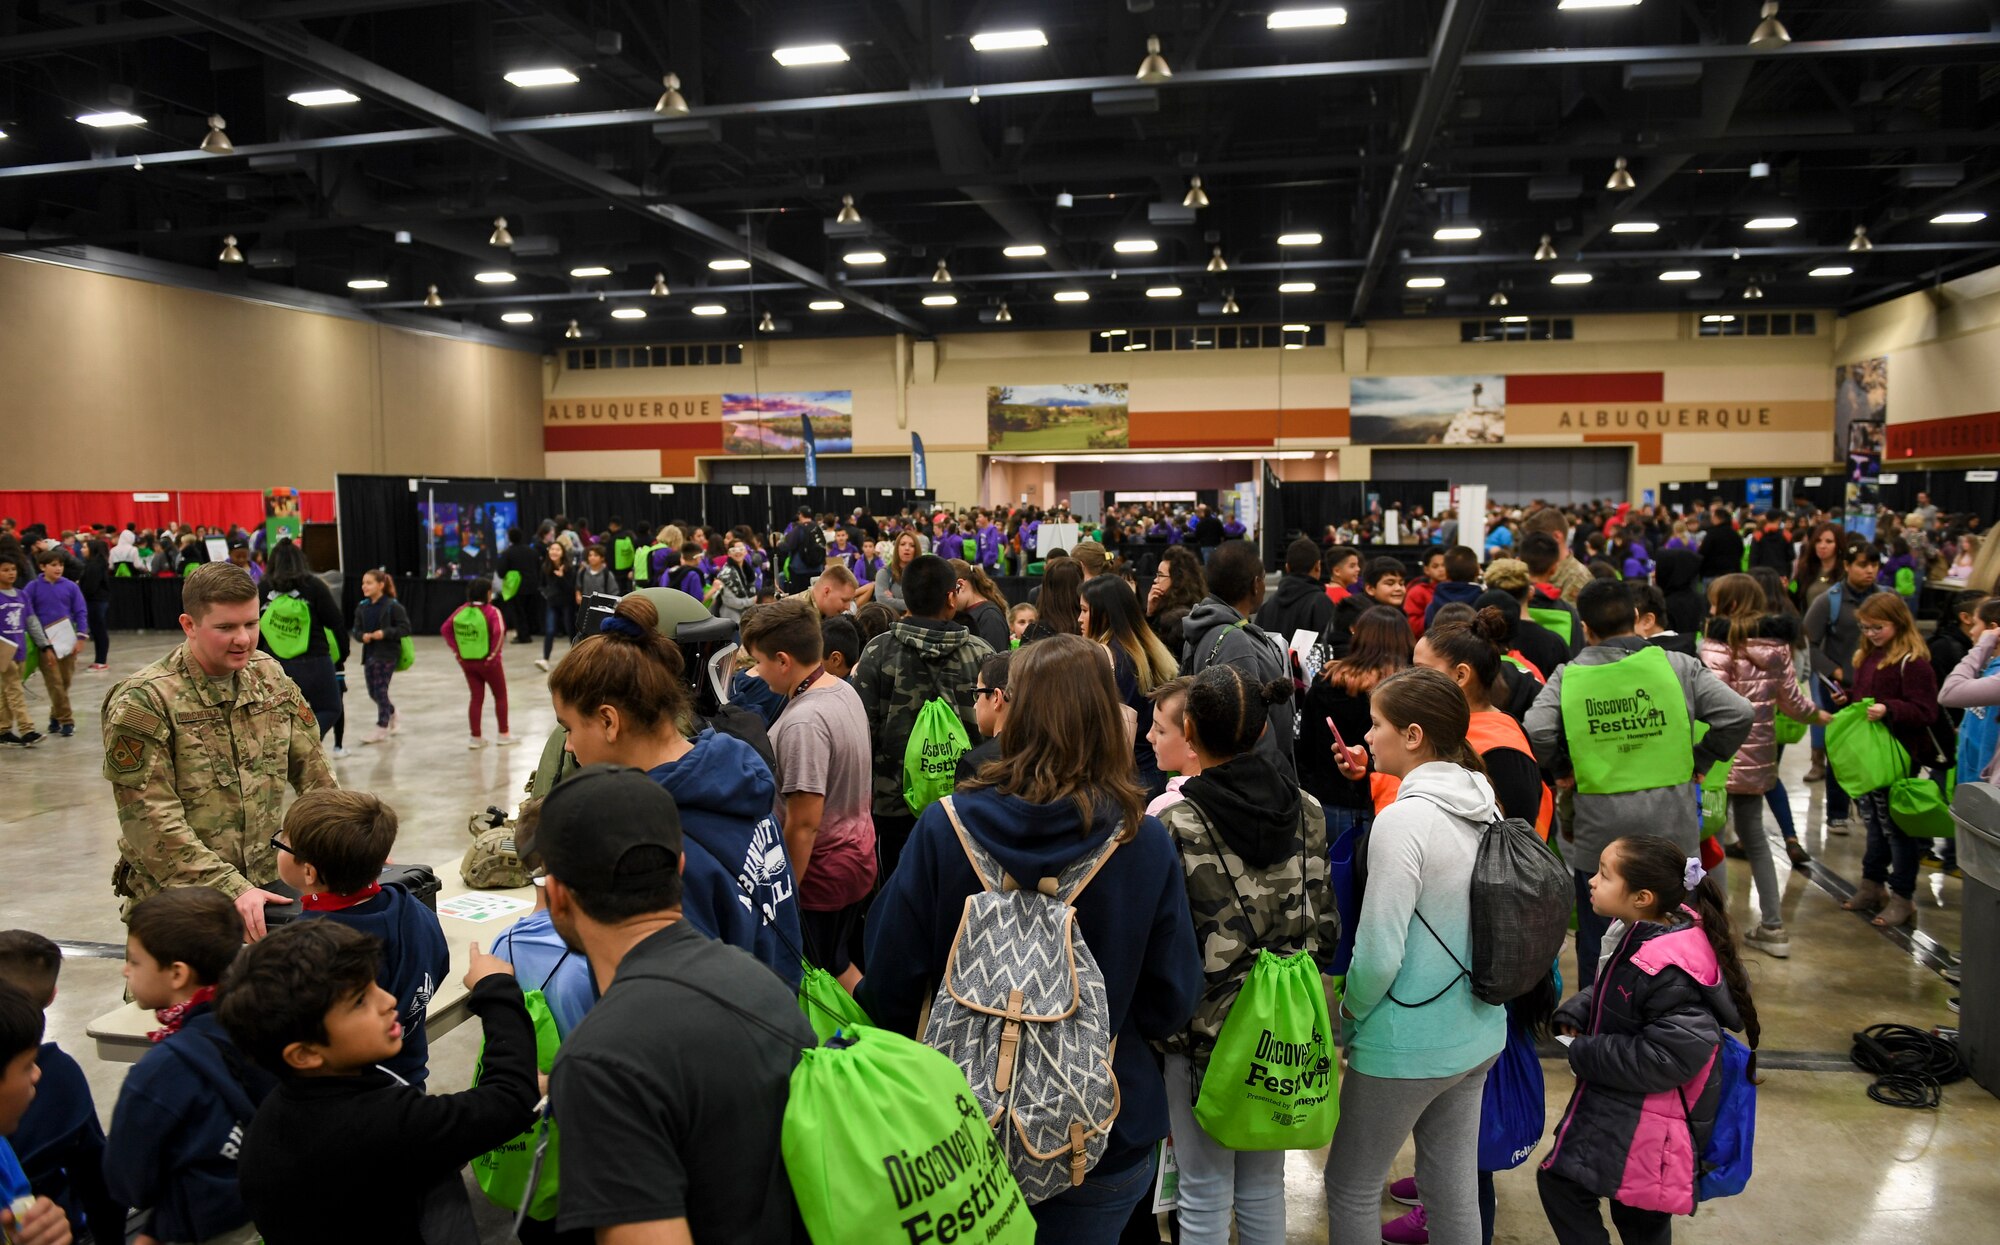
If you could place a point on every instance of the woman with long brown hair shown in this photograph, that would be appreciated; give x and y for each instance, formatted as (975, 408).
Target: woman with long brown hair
(1381, 646)
(1061, 789)
(889, 580)
(1819, 564)
(980, 604)
(1139, 662)
(1058, 602)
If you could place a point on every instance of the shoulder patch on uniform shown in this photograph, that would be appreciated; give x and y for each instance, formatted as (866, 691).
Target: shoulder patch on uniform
(126, 754)
(136, 717)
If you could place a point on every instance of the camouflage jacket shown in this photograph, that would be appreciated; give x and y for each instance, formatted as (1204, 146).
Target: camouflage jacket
(199, 777)
(901, 671)
(1290, 909)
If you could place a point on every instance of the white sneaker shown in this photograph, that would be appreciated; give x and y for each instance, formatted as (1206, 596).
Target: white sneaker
(1840, 825)
(339, 753)
(475, 743)
(542, 664)
(1772, 940)
(506, 741)
(376, 736)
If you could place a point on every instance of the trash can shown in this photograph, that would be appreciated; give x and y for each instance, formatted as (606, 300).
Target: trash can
(1976, 809)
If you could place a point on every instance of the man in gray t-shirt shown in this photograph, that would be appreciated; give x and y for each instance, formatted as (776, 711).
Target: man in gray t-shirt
(824, 777)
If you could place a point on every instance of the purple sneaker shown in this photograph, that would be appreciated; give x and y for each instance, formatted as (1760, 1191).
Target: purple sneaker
(1411, 1229)
(1405, 1191)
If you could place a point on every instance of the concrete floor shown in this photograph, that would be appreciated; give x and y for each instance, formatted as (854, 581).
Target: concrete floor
(1832, 1166)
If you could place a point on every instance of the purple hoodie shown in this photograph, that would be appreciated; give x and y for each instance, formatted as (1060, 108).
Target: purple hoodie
(54, 601)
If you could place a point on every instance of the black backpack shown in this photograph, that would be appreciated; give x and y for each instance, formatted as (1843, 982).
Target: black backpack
(1521, 899)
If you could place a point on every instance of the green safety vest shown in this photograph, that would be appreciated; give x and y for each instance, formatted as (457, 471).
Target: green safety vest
(468, 627)
(1558, 621)
(1627, 724)
(621, 552)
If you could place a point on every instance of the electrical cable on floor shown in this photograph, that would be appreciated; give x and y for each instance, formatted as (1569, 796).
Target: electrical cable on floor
(1911, 1065)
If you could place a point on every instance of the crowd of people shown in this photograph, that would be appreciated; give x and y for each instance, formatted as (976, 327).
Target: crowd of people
(1197, 768)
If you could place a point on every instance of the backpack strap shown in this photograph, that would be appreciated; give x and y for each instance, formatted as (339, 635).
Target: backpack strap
(1221, 634)
(991, 876)
(1064, 887)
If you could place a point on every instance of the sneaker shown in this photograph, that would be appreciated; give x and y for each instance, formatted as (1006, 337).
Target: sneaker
(9, 737)
(31, 738)
(475, 743)
(1798, 854)
(1405, 1191)
(376, 736)
(1840, 825)
(395, 723)
(542, 664)
(68, 729)
(505, 741)
(1411, 1229)
(98, 665)
(55, 728)
(1735, 850)
(339, 753)
(1930, 859)
(1772, 940)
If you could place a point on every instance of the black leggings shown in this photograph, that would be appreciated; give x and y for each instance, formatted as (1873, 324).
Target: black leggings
(314, 675)
(100, 628)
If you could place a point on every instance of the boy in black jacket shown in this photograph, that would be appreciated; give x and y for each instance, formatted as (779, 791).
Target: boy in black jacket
(59, 1141)
(179, 1123)
(345, 1150)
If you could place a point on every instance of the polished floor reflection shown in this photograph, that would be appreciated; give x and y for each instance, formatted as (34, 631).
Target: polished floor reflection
(1832, 1166)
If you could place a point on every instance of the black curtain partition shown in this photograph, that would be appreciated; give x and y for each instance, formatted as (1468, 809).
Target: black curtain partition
(1307, 506)
(1407, 495)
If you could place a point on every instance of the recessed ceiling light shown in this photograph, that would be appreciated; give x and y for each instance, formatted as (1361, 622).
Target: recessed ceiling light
(3, 133)
(1072, 296)
(320, 99)
(1598, 4)
(1570, 278)
(1681, 274)
(1958, 218)
(1008, 40)
(540, 77)
(518, 317)
(728, 265)
(107, 120)
(827, 304)
(1300, 19)
(1636, 226)
(940, 300)
(1136, 346)
(865, 257)
(812, 54)
(628, 313)
(1295, 345)
(493, 278)
(1832, 270)
(1298, 239)
(1718, 319)
(1135, 246)
(1771, 222)
(1425, 283)
(1295, 328)
(1163, 291)
(1030, 251)
(592, 270)
(368, 283)
(1296, 287)
(1112, 333)
(1513, 319)
(709, 309)
(1457, 233)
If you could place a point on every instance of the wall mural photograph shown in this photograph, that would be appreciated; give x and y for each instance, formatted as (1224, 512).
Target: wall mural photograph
(1057, 417)
(1428, 410)
(774, 423)
(1860, 416)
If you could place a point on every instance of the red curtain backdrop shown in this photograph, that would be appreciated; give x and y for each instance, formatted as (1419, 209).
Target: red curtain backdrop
(213, 508)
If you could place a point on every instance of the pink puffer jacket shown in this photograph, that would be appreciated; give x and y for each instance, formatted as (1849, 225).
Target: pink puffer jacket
(1761, 673)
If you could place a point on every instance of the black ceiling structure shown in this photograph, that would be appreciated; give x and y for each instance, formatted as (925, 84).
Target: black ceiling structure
(1505, 116)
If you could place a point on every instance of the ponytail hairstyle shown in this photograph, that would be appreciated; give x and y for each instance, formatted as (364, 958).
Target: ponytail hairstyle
(1906, 644)
(630, 665)
(981, 582)
(1226, 711)
(384, 578)
(1474, 644)
(1652, 863)
(1738, 600)
(1428, 698)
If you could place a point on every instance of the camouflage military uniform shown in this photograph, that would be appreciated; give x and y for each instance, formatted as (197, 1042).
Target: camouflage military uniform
(899, 672)
(1292, 911)
(198, 767)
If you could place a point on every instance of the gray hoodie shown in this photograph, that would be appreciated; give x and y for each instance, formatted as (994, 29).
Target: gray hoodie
(1674, 812)
(1216, 634)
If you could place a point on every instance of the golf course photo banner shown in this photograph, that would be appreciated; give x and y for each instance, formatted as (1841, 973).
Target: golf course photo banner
(1057, 417)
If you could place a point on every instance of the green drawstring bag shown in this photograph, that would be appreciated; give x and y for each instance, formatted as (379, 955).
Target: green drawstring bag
(406, 654)
(1715, 799)
(930, 758)
(503, 1173)
(287, 626)
(884, 1141)
(1272, 1082)
(1863, 755)
(509, 585)
(1790, 730)
(1919, 810)
(827, 1005)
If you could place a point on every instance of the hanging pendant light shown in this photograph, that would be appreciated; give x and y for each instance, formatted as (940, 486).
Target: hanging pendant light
(1003, 316)
(848, 214)
(942, 276)
(1499, 299)
(1196, 197)
(1229, 307)
(1546, 252)
(1752, 293)
(659, 289)
(1154, 68)
(1621, 177)
(672, 103)
(500, 235)
(230, 255)
(572, 332)
(1770, 32)
(431, 298)
(1215, 261)
(766, 325)
(1860, 242)
(215, 142)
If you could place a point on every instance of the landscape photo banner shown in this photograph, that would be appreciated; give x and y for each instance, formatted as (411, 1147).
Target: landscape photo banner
(1428, 410)
(775, 423)
(1861, 415)
(1058, 417)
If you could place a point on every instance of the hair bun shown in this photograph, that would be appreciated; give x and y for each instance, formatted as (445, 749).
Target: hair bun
(1491, 624)
(1276, 692)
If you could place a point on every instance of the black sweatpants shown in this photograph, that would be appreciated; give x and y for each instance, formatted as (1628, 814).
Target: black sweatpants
(1576, 1220)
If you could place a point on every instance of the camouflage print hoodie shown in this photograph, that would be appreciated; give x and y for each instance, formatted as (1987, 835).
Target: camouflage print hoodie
(901, 671)
(1253, 849)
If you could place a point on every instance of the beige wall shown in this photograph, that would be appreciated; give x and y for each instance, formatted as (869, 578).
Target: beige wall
(1943, 348)
(150, 386)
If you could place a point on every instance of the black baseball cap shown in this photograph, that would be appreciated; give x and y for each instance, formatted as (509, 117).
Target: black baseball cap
(594, 820)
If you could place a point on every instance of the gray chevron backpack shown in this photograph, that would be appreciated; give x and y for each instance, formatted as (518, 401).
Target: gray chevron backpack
(1022, 1011)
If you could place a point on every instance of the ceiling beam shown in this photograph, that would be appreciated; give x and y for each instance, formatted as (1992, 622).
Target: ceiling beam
(1454, 34)
(63, 39)
(297, 47)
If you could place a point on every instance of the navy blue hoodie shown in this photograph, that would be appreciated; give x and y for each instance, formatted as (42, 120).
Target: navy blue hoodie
(1134, 917)
(177, 1130)
(743, 893)
(415, 962)
(1450, 592)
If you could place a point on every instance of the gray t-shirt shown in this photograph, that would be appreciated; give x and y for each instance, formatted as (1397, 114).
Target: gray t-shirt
(821, 742)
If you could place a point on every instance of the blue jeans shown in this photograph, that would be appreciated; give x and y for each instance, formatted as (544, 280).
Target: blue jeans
(1095, 1212)
(557, 616)
(1891, 856)
(1590, 930)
